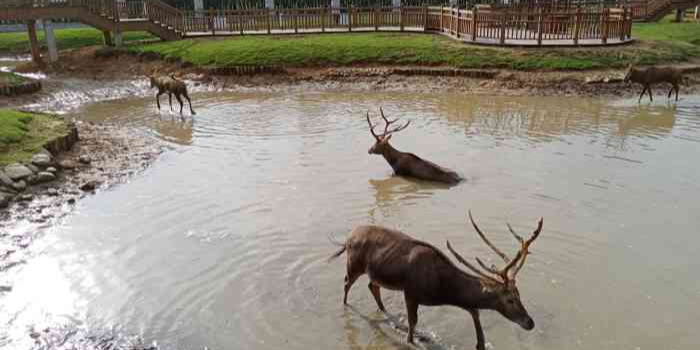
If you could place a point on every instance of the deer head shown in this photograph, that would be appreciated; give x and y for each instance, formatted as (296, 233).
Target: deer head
(382, 140)
(500, 283)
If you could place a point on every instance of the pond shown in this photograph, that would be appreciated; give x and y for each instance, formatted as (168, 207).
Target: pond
(223, 243)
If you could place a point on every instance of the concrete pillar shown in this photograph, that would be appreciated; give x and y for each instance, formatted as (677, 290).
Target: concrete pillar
(679, 15)
(107, 38)
(395, 3)
(118, 38)
(269, 4)
(50, 40)
(697, 12)
(198, 5)
(34, 42)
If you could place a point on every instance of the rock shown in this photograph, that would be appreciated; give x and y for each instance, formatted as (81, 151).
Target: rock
(51, 169)
(89, 186)
(5, 180)
(46, 152)
(5, 199)
(32, 179)
(17, 171)
(52, 192)
(67, 164)
(41, 160)
(84, 159)
(71, 201)
(45, 176)
(19, 186)
(33, 168)
(26, 197)
(5, 289)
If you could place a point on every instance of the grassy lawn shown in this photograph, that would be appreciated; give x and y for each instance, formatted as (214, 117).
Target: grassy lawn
(10, 79)
(22, 134)
(662, 42)
(65, 39)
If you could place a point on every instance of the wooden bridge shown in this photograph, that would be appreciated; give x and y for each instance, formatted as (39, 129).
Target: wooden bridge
(481, 25)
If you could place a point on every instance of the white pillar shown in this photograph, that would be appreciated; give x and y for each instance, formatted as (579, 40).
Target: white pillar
(118, 38)
(50, 40)
(697, 12)
(198, 5)
(270, 4)
(395, 3)
(335, 3)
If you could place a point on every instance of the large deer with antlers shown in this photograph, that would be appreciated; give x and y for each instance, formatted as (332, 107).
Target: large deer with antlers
(395, 261)
(407, 164)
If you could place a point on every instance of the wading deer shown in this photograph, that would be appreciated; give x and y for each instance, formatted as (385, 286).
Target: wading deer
(395, 261)
(171, 86)
(407, 164)
(654, 75)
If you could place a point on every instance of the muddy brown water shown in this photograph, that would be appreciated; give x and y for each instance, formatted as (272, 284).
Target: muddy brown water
(222, 244)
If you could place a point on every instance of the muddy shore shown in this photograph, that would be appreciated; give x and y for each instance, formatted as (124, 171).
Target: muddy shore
(99, 64)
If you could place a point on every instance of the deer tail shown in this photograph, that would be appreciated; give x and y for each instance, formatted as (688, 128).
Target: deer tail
(340, 251)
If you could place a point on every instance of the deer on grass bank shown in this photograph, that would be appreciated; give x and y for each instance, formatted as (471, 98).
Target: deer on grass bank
(395, 261)
(407, 164)
(654, 75)
(171, 86)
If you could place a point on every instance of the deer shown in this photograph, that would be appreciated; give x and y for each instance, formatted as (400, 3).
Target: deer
(395, 261)
(171, 86)
(654, 75)
(407, 164)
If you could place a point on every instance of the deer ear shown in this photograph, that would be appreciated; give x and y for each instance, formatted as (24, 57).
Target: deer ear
(386, 139)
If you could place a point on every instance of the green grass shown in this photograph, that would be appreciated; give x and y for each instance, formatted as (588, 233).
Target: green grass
(23, 134)
(10, 79)
(70, 38)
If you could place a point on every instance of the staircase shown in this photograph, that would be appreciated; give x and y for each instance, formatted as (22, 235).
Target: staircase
(153, 16)
(658, 9)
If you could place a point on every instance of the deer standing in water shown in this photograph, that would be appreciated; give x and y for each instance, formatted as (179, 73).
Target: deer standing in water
(171, 86)
(395, 261)
(654, 75)
(407, 164)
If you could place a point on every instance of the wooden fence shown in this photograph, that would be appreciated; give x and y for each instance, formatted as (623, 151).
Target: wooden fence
(485, 26)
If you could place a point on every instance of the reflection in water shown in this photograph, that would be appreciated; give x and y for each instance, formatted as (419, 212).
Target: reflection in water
(221, 244)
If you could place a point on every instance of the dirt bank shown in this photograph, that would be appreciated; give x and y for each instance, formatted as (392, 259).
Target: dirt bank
(93, 63)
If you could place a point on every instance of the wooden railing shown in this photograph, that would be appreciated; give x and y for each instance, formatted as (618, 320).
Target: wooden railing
(162, 13)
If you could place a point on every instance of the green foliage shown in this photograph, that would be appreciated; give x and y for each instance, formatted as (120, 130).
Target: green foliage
(10, 78)
(23, 134)
(69, 38)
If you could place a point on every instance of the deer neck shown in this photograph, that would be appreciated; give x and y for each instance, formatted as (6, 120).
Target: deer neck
(391, 154)
(473, 293)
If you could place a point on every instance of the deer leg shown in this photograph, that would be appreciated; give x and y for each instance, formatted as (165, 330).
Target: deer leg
(190, 102)
(650, 94)
(678, 88)
(349, 280)
(177, 96)
(375, 290)
(642, 94)
(412, 310)
(480, 339)
(170, 98)
(158, 99)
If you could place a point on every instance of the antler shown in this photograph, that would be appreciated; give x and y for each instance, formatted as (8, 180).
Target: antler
(525, 245)
(518, 260)
(387, 122)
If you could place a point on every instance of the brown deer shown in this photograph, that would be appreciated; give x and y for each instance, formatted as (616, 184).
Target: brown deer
(654, 75)
(395, 261)
(407, 164)
(171, 86)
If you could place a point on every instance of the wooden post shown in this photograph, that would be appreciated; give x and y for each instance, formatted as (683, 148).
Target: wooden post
(475, 23)
(401, 17)
(268, 18)
(36, 51)
(376, 18)
(350, 17)
(107, 38)
(577, 25)
(623, 24)
(425, 17)
(459, 22)
(240, 20)
(504, 18)
(211, 21)
(296, 23)
(442, 19)
(323, 19)
(606, 15)
(539, 27)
